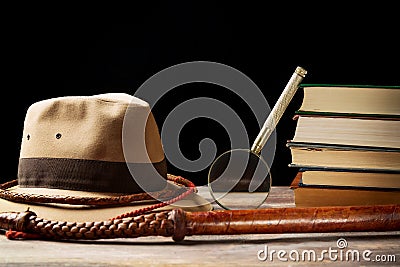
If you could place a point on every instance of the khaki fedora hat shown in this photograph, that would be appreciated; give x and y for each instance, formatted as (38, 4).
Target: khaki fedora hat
(93, 158)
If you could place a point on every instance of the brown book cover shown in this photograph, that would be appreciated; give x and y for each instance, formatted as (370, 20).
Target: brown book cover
(314, 196)
(371, 178)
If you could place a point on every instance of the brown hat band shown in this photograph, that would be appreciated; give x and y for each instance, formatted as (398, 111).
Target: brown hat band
(86, 175)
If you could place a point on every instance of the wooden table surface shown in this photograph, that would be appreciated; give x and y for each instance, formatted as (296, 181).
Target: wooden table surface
(373, 248)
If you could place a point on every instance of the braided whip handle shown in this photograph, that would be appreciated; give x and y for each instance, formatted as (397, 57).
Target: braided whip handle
(164, 223)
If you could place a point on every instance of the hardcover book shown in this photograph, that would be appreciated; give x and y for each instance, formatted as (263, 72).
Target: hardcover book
(343, 156)
(345, 130)
(312, 196)
(368, 178)
(367, 100)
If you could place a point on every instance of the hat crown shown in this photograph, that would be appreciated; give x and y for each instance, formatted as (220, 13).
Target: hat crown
(81, 137)
(88, 127)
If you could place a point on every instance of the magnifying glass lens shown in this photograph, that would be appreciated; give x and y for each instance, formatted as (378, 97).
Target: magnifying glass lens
(239, 179)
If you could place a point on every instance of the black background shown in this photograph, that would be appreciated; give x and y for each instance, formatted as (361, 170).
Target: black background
(51, 52)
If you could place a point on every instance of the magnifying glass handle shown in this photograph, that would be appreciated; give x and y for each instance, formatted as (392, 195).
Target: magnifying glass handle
(278, 109)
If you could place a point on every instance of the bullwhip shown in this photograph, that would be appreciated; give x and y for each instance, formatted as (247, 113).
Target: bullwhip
(177, 223)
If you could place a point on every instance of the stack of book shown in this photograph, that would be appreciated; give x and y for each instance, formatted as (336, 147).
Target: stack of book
(346, 145)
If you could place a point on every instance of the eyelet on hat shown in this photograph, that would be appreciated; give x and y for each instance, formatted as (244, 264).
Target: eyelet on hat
(58, 135)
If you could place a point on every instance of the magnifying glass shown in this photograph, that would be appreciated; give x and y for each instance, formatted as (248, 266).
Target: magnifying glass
(241, 178)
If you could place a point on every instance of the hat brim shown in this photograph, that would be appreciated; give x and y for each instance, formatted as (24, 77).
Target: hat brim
(74, 213)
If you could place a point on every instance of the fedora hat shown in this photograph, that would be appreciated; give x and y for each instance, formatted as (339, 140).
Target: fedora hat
(92, 158)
